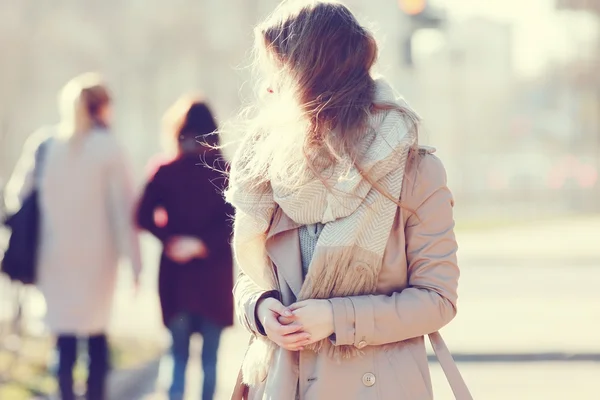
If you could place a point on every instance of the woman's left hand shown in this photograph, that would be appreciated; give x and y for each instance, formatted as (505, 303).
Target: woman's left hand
(316, 318)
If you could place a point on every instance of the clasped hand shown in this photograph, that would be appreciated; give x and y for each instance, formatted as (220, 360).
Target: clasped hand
(298, 325)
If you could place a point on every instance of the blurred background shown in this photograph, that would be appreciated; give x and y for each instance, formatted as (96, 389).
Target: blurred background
(510, 94)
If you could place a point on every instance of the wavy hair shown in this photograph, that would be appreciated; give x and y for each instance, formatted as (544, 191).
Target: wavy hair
(315, 95)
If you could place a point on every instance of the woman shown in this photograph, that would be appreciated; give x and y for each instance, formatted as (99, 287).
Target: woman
(343, 226)
(183, 207)
(86, 204)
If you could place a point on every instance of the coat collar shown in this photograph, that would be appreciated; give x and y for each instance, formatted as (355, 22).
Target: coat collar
(283, 247)
(281, 224)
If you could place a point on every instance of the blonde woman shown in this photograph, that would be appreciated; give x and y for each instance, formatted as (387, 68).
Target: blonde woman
(343, 225)
(86, 204)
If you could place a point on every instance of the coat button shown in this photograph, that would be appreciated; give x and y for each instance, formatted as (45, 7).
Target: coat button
(362, 344)
(368, 379)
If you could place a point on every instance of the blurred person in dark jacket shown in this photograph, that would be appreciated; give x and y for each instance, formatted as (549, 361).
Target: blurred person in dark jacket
(183, 207)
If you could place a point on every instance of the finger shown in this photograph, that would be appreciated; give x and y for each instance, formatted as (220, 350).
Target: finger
(299, 339)
(286, 320)
(272, 325)
(298, 346)
(176, 256)
(283, 330)
(280, 309)
(298, 305)
(292, 347)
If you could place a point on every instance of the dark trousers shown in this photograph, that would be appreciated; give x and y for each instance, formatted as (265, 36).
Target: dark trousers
(182, 327)
(98, 366)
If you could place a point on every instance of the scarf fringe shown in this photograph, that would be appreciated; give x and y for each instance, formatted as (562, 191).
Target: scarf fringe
(340, 272)
(259, 356)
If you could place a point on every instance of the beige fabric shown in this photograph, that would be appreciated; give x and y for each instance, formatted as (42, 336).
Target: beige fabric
(86, 203)
(415, 296)
(358, 218)
(455, 379)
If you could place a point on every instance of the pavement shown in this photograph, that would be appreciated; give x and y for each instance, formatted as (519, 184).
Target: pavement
(527, 325)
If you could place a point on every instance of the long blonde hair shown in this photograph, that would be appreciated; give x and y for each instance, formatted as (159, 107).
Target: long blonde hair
(316, 60)
(81, 101)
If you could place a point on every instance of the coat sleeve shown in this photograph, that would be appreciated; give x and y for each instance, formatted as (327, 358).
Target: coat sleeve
(151, 199)
(429, 301)
(121, 198)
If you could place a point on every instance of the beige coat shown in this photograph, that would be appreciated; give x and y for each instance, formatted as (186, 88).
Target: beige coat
(86, 203)
(416, 295)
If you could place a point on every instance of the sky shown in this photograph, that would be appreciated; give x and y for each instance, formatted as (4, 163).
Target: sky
(541, 34)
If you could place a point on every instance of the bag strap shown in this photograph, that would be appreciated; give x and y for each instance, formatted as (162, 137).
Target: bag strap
(40, 155)
(455, 379)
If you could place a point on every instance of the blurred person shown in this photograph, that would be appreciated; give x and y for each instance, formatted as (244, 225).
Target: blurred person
(86, 205)
(183, 207)
(343, 225)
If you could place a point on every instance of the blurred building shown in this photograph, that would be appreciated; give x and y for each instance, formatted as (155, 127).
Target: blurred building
(466, 89)
(150, 51)
(503, 138)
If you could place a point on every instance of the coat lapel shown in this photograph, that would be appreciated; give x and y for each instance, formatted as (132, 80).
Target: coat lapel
(283, 247)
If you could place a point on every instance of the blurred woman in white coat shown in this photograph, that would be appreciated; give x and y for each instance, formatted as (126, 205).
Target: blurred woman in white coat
(86, 204)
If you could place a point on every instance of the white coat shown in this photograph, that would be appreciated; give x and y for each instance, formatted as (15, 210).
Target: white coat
(86, 204)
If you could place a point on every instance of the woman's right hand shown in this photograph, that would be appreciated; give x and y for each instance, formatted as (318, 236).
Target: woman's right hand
(288, 336)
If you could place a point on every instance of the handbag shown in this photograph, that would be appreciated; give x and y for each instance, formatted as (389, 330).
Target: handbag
(20, 258)
(19, 261)
(455, 379)
(240, 389)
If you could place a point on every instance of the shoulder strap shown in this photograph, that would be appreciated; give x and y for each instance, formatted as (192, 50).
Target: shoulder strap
(40, 155)
(455, 379)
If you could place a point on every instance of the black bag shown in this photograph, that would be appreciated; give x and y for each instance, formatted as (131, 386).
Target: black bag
(20, 258)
